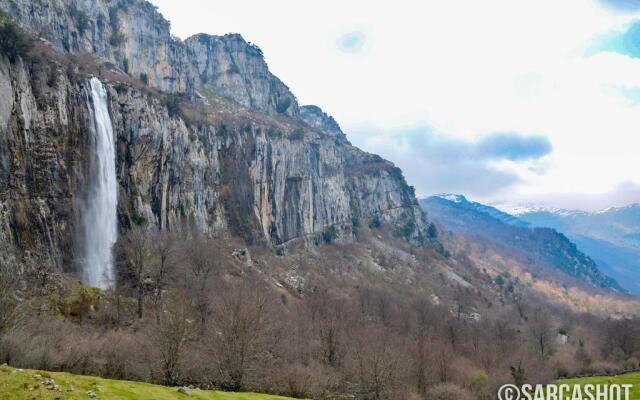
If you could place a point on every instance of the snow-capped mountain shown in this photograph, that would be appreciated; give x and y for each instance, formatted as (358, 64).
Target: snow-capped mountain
(611, 236)
(525, 209)
(617, 225)
(510, 235)
(493, 212)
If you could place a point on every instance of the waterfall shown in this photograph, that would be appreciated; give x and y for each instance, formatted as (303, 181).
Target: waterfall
(100, 225)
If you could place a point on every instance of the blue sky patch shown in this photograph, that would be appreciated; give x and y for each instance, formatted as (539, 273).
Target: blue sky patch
(622, 5)
(352, 42)
(435, 163)
(626, 42)
(513, 147)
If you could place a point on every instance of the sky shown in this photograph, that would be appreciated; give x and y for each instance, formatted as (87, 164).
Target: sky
(500, 100)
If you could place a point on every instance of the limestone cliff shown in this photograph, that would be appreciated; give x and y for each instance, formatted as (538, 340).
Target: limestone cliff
(186, 156)
(228, 66)
(315, 117)
(137, 39)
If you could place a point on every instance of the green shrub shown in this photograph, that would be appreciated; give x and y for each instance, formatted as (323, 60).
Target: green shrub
(406, 230)
(140, 220)
(125, 65)
(80, 301)
(412, 191)
(14, 42)
(355, 225)
(329, 234)
(144, 78)
(376, 222)
(396, 173)
(478, 383)
(283, 105)
(81, 19)
(117, 37)
(274, 133)
(52, 76)
(121, 88)
(432, 231)
(173, 106)
(114, 18)
(297, 134)
(518, 374)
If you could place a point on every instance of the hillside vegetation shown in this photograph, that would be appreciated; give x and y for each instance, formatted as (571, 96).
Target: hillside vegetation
(257, 251)
(18, 384)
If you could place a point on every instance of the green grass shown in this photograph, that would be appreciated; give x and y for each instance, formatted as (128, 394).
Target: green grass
(632, 378)
(22, 385)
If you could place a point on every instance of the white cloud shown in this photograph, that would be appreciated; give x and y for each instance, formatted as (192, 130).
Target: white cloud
(464, 68)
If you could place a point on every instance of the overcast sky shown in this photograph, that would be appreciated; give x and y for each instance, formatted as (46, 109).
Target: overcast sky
(507, 101)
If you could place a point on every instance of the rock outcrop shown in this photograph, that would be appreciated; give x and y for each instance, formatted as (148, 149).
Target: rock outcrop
(137, 39)
(250, 167)
(230, 67)
(315, 117)
(129, 33)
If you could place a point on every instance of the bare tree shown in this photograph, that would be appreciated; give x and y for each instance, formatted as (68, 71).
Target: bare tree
(376, 365)
(172, 336)
(621, 338)
(203, 266)
(421, 364)
(461, 300)
(520, 301)
(328, 315)
(442, 356)
(164, 247)
(541, 332)
(138, 250)
(240, 327)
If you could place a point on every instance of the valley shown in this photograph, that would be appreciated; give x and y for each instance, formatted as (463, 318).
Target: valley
(171, 216)
(609, 236)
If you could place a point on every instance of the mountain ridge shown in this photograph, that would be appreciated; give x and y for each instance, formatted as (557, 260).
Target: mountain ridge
(547, 245)
(611, 236)
(215, 143)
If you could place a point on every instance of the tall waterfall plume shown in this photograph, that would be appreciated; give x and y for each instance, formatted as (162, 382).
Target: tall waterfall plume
(100, 225)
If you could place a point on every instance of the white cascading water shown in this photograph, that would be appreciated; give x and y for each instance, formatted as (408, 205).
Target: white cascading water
(100, 218)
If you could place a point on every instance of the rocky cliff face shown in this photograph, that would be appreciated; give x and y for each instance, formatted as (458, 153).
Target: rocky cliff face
(189, 160)
(263, 179)
(230, 67)
(315, 117)
(41, 160)
(137, 40)
(131, 34)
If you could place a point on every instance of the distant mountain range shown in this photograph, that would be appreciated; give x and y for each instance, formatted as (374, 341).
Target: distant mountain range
(493, 212)
(619, 226)
(514, 235)
(611, 237)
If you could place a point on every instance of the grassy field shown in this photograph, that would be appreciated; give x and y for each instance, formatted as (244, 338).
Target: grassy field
(32, 385)
(632, 378)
